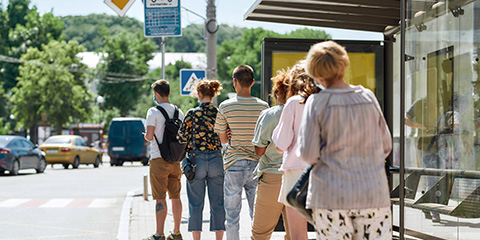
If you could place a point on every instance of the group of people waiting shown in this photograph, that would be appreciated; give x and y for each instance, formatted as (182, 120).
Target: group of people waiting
(318, 119)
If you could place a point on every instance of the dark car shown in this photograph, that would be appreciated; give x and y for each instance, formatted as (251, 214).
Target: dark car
(126, 141)
(18, 153)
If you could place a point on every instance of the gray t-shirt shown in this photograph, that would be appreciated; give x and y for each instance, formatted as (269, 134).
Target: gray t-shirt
(267, 121)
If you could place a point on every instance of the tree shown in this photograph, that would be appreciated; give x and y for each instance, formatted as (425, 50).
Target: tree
(124, 63)
(172, 74)
(35, 31)
(248, 50)
(87, 30)
(46, 85)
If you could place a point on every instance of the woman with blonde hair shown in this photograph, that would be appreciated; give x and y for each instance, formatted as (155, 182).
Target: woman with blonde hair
(200, 123)
(285, 138)
(267, 209)
(343, 132)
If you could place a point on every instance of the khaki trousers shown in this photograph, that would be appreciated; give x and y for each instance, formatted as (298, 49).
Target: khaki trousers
(267, 208)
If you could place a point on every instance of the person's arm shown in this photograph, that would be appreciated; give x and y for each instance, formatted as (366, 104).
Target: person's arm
(309, 134)
(149, 133)
(283, 134)
(221, 127)
(279, 150)
(223, 137)
(411, 123)
(259, 151)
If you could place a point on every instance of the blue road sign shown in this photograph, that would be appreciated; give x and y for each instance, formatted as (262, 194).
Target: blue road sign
(189, 78)
(162, 18)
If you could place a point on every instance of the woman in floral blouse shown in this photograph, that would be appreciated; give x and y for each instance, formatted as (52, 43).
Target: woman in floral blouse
(208, 160)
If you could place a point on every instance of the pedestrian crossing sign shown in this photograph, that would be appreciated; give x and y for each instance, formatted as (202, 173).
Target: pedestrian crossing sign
(189, 79)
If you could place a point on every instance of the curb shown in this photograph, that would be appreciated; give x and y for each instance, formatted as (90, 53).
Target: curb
(123, 232)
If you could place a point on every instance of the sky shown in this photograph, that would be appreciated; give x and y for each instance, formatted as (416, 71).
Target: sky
(228, 11)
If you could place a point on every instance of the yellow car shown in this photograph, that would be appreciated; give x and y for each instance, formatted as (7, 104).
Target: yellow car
(70, 149)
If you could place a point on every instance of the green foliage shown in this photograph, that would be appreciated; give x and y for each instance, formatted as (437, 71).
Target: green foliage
(36, 31)
(193, 38)
(247, 50)
(4, 128)
(87, 30)
(308, 33)
(46, 86)
(16, 12)
(125, 54)
(172, 75)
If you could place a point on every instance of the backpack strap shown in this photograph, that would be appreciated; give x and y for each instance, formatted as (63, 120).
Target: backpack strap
(165, 114)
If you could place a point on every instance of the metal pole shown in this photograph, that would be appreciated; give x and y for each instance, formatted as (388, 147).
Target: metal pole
(163, 57)
(211, 35)
(145, 187)
(402, 121)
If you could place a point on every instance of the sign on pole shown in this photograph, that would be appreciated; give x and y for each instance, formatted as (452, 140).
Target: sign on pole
(162, 18)
(189, 78)
(119, 6)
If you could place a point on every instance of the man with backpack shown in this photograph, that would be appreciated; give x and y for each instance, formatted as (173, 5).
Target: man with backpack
(165, 172)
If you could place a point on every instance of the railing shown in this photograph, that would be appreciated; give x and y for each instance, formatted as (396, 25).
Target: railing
(436, 198)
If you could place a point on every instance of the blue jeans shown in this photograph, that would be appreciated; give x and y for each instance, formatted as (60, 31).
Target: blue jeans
(237, 177)
(209, 172)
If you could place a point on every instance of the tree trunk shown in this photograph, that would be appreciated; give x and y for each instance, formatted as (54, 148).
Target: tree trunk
(34, 134)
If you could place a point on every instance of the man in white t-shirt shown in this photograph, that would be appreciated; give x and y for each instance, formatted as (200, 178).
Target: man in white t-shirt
(164, 176)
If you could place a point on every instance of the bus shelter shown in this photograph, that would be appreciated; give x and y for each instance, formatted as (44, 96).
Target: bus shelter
(428, 82)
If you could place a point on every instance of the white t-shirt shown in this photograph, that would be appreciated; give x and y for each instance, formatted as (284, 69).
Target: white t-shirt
(155, 118)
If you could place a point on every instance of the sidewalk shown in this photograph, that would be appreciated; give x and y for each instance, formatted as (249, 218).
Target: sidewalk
(141, 221)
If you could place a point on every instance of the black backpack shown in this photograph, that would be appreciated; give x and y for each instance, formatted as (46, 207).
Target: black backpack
(171, 149)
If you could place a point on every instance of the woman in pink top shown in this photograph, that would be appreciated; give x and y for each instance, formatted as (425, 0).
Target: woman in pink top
(285, 138)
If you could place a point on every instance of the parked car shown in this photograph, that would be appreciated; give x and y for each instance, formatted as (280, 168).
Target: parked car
(18, 153)
(126, 141)
(70, 149)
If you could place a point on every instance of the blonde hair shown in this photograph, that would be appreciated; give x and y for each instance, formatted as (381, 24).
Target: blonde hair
(209, 88)
(280, 85)
(327, 60)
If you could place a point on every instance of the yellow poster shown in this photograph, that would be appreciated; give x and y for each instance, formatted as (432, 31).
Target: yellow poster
(360, 72)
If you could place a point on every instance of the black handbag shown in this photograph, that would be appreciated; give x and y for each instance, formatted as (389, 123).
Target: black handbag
(188, 164)
(297, 196)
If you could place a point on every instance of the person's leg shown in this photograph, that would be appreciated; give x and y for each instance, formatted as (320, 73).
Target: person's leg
(250, 185)
(267, 209)
(215, 179)
(219, 235)
(234, 181)
(197, 235)
(196, 195)
(160, 215)
(285, 224)
(373, 223)
(297, 225)
(174, 187)
(158, 180)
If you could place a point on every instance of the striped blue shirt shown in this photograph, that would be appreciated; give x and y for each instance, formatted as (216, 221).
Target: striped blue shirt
(240, 114)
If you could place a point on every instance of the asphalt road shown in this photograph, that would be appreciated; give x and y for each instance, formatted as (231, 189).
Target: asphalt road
(83, 203)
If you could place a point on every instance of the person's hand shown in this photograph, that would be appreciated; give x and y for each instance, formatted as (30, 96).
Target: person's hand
(229, 133)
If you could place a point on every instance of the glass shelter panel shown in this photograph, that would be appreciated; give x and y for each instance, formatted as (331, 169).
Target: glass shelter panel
(442, 120)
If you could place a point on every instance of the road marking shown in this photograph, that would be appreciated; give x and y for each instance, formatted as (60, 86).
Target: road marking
(102, 202)
(58, 203)
(13, 202)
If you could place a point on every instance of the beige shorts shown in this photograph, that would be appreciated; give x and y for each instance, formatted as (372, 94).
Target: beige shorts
(165, 177)
(289, 178)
